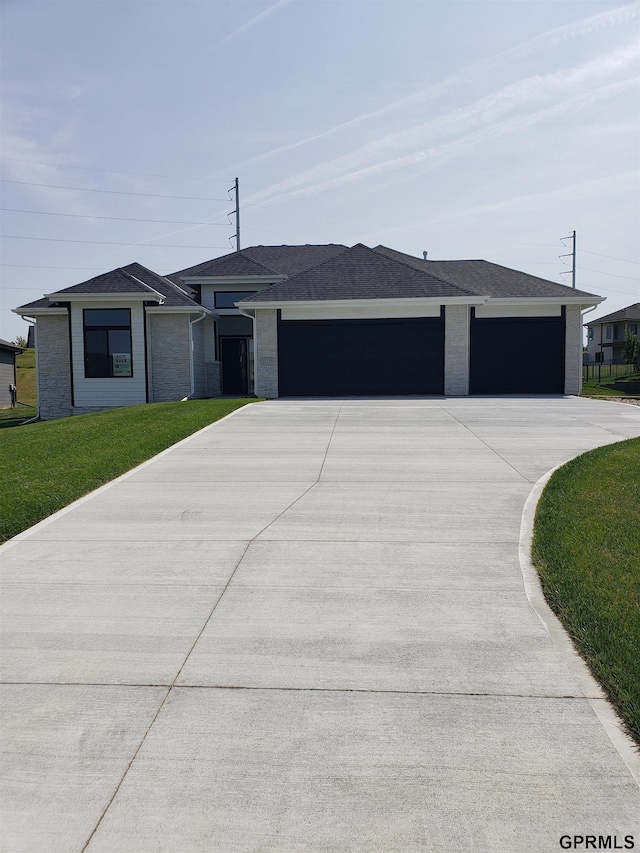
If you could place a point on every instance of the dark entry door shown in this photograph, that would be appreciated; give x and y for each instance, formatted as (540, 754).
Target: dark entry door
(235, 374)
(328, 358)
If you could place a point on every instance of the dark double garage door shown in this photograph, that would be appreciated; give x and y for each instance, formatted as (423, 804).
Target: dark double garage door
(334, 358)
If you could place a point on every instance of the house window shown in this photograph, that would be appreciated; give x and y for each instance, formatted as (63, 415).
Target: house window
(616, 330)
(598, 357)
(608, 333)
(591, 333)
(633, 328)
(226, 298)
(107, 343)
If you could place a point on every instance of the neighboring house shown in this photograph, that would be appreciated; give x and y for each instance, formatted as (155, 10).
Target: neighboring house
(8, 354)
(306, 321)
(606, 335)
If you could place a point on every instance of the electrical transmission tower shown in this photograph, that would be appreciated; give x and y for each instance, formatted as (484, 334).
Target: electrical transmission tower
(572, 255)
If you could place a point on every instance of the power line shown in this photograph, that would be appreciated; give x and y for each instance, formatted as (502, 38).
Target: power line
(109, 243)
(611, 257)
(112, 218)
(600, 272)
(36, 267)
(112, 171)
(112, 192)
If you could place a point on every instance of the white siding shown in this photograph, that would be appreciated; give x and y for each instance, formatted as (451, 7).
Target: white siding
(121, 391)
(362, 312)
(488, 310)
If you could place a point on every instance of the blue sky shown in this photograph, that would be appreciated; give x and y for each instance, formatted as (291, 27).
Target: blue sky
(468, 129)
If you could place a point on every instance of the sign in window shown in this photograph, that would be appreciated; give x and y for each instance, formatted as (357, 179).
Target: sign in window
(107, 343)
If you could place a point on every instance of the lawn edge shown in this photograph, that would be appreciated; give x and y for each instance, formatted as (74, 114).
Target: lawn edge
(24, 534)
(593, 693)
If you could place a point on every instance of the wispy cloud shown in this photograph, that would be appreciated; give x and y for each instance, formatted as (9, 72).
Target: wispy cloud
(253, 21)
(572, 194)
(611, 17)
(464, 127)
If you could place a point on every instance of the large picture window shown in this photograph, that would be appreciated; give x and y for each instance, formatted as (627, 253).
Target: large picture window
(226, 298)
(107, 343)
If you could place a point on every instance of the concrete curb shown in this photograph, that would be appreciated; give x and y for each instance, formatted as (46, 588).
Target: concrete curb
(592, 691)
(50, 518)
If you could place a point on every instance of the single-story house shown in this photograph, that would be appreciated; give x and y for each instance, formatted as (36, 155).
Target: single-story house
(606, 335)
(8, 354)
(312, 320)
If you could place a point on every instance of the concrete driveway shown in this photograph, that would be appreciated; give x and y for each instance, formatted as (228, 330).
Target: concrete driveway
(305, 629)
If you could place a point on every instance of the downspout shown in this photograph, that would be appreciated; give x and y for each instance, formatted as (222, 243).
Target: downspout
(192, 323)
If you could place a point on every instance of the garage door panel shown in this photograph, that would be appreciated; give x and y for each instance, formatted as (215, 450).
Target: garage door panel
(517, 355)
(361, 357)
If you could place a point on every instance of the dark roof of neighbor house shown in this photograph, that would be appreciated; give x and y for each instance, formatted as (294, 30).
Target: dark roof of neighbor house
(487, 279)
(631, 312)
(7, 345)
(134, 278)
(359, 273)
(262, 260)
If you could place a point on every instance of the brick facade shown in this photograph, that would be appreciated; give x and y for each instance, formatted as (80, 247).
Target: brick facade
(266, 369)
(170, 357)
(573, 351)
(456, 350)
(53, 360)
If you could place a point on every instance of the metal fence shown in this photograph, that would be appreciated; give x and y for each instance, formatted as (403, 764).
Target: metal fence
(606, 370)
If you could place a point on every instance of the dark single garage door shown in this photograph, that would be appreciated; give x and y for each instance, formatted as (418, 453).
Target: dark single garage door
(334, 358)
(517, 355)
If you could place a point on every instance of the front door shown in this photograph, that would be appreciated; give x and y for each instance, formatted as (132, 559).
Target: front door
(235, 373)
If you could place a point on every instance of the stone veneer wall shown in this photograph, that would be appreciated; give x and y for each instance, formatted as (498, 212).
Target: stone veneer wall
(456, 350)
(53, 363)
(170, 357)
(266, 344)
(214, 378)
(573, 350)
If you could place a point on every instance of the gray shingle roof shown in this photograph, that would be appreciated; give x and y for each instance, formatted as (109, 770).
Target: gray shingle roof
(262, 260)
(125, 280)
(487, 279)
(38, 303)
(631, 312)
(291, 260)
(7, 345)
(358, 273)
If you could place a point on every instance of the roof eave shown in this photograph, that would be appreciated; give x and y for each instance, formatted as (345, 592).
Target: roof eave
(152, 295)
(34, 312)
(366, 303)
(553, 300)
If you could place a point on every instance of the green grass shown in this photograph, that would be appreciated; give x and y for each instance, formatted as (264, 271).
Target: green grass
(610, 386)
(47, 465)
(26, 377)
(586, 548)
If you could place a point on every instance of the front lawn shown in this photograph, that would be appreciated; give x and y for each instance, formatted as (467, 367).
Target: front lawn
(47, 465)
(616, 385)
(586, 548)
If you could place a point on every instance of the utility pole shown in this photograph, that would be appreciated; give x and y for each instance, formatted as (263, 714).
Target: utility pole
(572, 255)
(236, 189)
